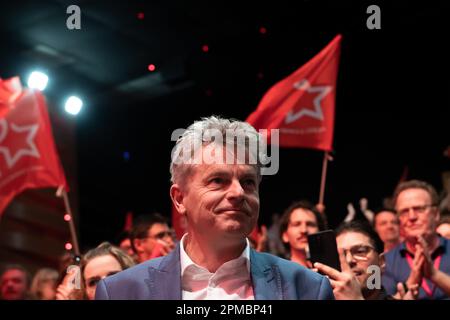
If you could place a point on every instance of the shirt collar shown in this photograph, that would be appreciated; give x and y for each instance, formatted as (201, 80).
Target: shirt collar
(438, 251)
(186, 261)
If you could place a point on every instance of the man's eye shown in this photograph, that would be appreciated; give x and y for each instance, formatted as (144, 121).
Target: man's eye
(361, 251)
(249, 182)
(217, 180)
(93, 282)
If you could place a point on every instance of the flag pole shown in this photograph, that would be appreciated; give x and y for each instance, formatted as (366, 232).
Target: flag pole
(324, 176)
(62, 192)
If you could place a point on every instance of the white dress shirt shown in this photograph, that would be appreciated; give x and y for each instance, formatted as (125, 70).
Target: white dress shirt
(231, 281)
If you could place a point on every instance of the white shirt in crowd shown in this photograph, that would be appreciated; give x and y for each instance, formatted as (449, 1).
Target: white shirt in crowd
(232, 281)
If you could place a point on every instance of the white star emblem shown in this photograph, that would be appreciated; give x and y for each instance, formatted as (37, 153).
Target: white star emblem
(317, 112)
(31, 151)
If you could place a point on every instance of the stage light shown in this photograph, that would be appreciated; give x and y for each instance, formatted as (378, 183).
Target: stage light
(205, 48)
(73, 105)
(37, 80)
(151, 67)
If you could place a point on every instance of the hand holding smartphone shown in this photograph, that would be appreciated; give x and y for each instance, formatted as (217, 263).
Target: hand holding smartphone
(323, 249)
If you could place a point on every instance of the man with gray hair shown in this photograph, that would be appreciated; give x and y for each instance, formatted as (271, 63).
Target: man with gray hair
(424, 257)
(216, 169)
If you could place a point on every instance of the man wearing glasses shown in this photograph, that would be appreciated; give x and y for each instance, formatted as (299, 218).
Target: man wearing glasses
(151, 237)
(423, 259)
(361, 256)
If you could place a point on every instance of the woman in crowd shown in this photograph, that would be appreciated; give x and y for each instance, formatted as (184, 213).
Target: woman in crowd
(43, 286)
(97, 264)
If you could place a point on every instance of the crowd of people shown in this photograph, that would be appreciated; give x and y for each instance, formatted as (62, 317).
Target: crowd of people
(224, 255)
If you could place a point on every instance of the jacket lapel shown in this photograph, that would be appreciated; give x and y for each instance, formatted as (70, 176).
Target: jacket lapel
(165, 280)
(265, 277)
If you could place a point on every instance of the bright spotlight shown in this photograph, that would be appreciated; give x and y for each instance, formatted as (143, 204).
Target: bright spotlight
(73, 105)
(37, 80)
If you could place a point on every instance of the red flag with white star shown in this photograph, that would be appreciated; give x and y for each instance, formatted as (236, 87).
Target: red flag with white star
(302, 105)
(28, 157)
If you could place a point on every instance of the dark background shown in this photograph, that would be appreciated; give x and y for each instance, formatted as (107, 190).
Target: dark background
(392, 107)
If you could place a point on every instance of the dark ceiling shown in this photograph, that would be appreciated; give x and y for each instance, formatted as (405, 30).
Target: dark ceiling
(392, 102)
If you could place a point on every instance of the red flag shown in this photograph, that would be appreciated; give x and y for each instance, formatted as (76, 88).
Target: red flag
(179, 223)
(128, 221)
(28, 157)
(302, 105)
(10, 91)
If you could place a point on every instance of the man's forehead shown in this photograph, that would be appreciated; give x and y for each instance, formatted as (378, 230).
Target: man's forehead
(350, 239)
(231, 169)
(158, 226)
(14, 272)
(213, 153)
(301, 214)
(386, 215)
(413, 195)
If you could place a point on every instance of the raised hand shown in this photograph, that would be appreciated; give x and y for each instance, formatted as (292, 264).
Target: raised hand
(428, 268)
(402, 294)
(345, 285)
(416, 275)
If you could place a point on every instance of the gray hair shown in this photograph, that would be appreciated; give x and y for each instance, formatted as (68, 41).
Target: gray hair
(207, 131)
(417, 184)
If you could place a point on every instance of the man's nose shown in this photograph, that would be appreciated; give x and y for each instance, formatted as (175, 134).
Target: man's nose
(235, 190)
(303, 229)
(349, 258)
(412, 215)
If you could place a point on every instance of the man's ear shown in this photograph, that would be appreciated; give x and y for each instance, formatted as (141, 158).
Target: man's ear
(437, 216)
(177, 196)
(382, 262)
(137, 244)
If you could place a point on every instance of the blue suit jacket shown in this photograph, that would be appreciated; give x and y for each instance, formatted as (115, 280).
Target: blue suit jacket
(273, 278)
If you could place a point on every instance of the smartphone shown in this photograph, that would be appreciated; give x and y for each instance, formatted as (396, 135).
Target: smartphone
(323, 249)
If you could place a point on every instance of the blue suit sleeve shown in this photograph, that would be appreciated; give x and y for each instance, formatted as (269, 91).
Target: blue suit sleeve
(389, 283)
(101, 293)
(325, 291)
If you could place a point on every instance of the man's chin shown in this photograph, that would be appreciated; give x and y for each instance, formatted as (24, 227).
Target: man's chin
(362, 279)
(238, 229)
(412, 237)
(392, 239)
(12, 296)
(301, 246)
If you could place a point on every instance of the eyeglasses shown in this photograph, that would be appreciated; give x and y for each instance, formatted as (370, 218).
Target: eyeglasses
(415, 209)
(359, 252)
(160, 235)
